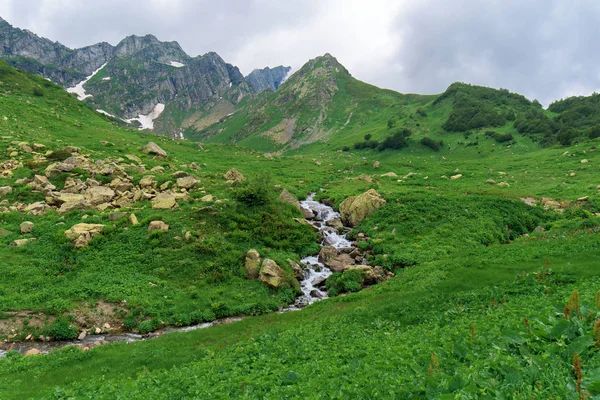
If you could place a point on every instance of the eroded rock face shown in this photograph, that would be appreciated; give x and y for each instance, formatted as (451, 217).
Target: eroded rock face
(356, 208)
(271, 274)
(153, 148)
(252, 264)
(82, 234)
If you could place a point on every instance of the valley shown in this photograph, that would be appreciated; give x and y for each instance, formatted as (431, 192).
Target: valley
(279, 235)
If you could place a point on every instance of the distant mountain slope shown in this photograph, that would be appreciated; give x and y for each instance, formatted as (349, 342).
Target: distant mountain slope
(140, 78)
(319, 102)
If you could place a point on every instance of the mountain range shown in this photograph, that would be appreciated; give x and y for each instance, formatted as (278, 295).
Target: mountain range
(156, 86)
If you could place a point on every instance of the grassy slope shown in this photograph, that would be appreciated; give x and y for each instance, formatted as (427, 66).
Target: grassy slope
(471, 267)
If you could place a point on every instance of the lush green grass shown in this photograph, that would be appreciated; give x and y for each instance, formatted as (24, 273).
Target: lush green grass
(470, 266)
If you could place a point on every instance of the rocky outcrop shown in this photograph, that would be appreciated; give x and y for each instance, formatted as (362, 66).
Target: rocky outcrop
(81, 234)
(267, 78)
(356, 208)
(271, 274)
(252, 264)
(287, 197)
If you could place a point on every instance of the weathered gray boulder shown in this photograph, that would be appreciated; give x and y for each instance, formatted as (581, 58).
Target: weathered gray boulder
(22, 242)
(82, 234)
(164, 201)
(153, 148)
(356, 208)
(99, 194)
(252, 264)
(157, 226)
(271, 274)
(26, 227)
(187, 182)
(234, 176)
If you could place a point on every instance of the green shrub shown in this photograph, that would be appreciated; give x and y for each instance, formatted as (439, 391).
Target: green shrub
(503, 137)
(255, 191)
(432, 144)
(37, 91)
(62, 330)
(148, 326)
(59, 155)
(421, 112)
(350, 281)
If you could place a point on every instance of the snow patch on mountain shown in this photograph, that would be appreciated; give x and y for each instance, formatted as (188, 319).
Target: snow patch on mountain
(176, 64)
(79, 90)
(147, 121)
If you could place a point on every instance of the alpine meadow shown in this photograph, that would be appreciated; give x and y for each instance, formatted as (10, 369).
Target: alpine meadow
(173, 229)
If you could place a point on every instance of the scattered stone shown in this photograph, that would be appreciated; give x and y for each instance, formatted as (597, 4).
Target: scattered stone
(37, 208)
(195, 167)
(133, 219)
(539, 229)
(271, 274)
(287, 197)
(153, 148)
(335, 223)
(389, 175)
(356, 208)
(298, 271)
(188, 236)
(502, 184)
(82, 234)
(584, 161)
(99, 194)
(572, 174)
(147, 181)
(187, 182)
(98, 331)
(158, 169)
(209, 198)
(157, 226)
(179, 174)
(376, 164)
(308, 214)
(22, 242)
(82, 335)
(32, 352)
(490, 182)
(584, 198)
(234, 176)
(164, 201)
(252, 264)
(455, 177)
(115, 216)
(27, 227)
(4, 190)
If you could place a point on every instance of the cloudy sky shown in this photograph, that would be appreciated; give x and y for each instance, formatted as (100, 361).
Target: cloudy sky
(544, 49)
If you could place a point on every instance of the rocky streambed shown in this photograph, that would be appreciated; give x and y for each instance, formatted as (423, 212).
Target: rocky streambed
(338, 254)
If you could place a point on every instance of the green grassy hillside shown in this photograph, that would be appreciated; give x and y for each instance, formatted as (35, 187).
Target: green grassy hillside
(493, 244)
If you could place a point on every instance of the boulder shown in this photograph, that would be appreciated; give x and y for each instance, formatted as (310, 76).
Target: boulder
(298, 271)
(27, 227)
(327, 254)
(157, 226)
(133, 219)
(152, 148)
(234, 176)
(252, 264)
(32, 352)
(164, 201)
(356, 208)
(287, 197)
(271, 274)
(147, 181)
(99, 194)
(334, 223)
(22, 242)
(338, 263)
(308, 214)
(82, 234)
(376, 164)
(37, 208)
(209, 198)
(4, 190)
(187, 182)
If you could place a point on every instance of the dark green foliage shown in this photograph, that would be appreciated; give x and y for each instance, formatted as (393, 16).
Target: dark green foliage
(61, 329)
(38, 91)
(256, 191)
(350, 281)
(368, 137)
(397, 141)
(421, 111)
(345, 148)
(59, 155)
(432, 144)
(500, 137)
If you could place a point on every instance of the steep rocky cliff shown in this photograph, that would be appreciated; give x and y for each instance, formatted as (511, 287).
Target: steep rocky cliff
(267, 78)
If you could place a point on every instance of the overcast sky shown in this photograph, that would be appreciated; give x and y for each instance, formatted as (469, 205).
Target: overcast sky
(544, 49)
